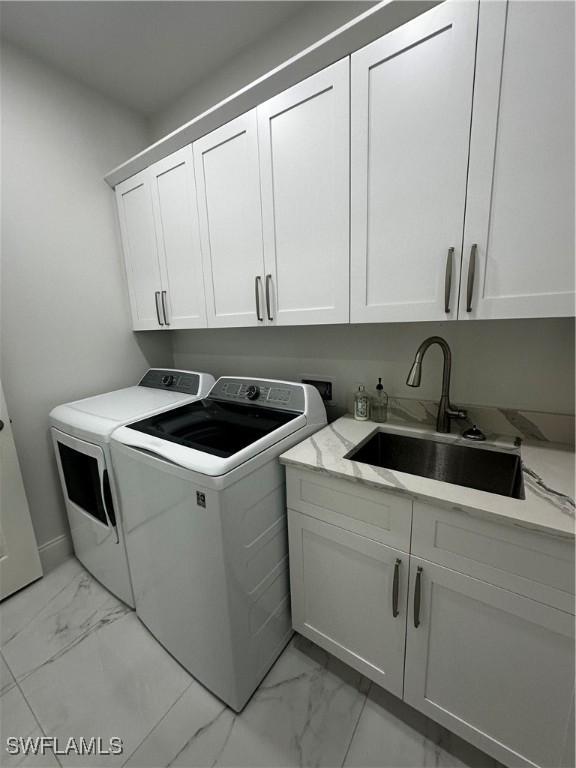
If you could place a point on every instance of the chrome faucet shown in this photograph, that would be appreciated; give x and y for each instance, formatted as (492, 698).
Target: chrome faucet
(445, 410)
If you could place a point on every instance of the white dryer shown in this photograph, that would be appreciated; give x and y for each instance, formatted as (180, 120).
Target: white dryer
(81, 434)
(203, 502)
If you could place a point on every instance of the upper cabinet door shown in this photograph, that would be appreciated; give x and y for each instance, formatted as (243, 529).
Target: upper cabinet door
(228, 185)
(520, 212)
(140, 251)
(178, 238)
(304, 156)
(411, 112)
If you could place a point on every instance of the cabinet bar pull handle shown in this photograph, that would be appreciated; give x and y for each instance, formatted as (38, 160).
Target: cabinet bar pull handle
(417, 595)
(257, 282)
(164, 311)
(268, 281)
(395, 587)
(448, 280)
(157, 298)
(471, 273)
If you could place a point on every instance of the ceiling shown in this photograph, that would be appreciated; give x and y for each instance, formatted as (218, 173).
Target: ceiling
(144, 54)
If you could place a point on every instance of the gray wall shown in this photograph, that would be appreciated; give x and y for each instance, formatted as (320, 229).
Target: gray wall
(64, 314)
(304, 28)
(526, 364)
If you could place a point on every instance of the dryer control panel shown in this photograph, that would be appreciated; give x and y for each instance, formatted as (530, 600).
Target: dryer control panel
(175, 381)
(283, 395)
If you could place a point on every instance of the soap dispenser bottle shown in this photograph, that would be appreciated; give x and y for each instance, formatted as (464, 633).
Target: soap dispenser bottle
(380, 404)
(361, 404)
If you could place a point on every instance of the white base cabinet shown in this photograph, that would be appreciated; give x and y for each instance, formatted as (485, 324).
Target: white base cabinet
(349, 595)
(482, 640)
(490, 665)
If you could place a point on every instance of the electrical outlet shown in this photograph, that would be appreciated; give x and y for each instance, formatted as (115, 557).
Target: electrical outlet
(323, 385)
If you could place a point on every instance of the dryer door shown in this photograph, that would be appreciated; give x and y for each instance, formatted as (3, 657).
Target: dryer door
(85, 475)
(85, 479)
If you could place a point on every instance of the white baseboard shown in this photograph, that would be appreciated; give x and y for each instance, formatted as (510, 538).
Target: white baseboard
(54, 552)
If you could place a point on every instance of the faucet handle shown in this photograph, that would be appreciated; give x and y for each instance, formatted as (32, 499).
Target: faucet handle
(456, 413)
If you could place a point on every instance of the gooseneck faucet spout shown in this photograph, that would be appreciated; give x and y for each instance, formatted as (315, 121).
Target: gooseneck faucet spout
(445, 410)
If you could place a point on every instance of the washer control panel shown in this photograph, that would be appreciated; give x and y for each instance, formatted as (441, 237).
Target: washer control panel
(283, 395)
(175, 381)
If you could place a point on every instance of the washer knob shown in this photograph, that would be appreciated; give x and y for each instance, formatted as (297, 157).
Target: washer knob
(168, 380)
(253, 392)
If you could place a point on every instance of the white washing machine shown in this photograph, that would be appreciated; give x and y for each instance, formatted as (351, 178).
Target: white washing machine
(203, 501)
(81, 434)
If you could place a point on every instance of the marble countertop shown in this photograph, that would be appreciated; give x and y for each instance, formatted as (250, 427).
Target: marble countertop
(547, 468)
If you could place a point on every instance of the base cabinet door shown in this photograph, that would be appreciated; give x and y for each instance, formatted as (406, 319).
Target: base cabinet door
(411, 107)
(228, 186)
(178, 238)
(519, 237)
(304, 144)
(492, 666)
(136, 216)
(349, 596)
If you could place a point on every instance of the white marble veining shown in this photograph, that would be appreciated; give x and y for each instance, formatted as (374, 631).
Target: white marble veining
(542, 510)
(529, 425)
(76, 610)
(20, 610)
(103, 674)
(392, 733)
(6, 677)
(194, 722)
(117, 682)
(304, 713)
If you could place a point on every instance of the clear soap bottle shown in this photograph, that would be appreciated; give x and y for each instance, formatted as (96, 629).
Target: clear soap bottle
(380, 404)
(361, 404)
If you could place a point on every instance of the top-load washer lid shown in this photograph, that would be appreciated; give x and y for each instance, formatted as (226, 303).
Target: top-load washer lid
(237, 421)
(158, 389)
(218, 428)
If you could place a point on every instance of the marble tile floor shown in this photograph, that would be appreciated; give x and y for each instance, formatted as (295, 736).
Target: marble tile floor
(76, 662)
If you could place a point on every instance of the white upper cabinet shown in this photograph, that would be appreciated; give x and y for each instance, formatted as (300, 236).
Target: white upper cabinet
(228, 184)
(304, 160)
(520, 209)
(273, 188)
(159, 225)
(429, 176)
(140, 251)
(178, 238)
(410, 121)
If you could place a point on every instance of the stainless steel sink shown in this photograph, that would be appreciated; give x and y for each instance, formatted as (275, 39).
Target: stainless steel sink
(470, 466)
